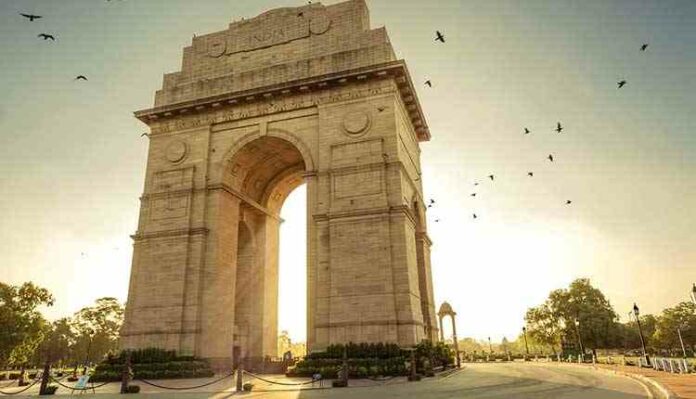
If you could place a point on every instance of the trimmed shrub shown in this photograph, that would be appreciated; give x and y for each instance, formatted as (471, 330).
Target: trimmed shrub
(151, 363)
(247, 386)
(51, 389)
(133, 389)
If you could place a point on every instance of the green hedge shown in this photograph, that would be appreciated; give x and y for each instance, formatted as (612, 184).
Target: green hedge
(372, 360)
(151, 363)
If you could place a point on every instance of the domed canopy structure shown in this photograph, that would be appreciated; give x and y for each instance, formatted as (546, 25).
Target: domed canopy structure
(446, 310)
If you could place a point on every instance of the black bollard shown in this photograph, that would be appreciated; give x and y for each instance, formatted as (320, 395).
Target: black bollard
(126, 374)
(44, 378)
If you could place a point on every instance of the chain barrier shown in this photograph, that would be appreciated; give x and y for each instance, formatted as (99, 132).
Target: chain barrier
(380, 379)
(312, 381)
(22, 390)
(80, 389)
(8, 385)
(186, 388)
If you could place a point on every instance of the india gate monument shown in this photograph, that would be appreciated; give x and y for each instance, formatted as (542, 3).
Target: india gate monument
(295, 95)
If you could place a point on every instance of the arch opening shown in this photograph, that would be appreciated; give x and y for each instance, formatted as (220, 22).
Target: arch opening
(263, 172)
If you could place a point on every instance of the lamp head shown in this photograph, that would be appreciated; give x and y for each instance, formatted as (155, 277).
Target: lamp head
(636, 311)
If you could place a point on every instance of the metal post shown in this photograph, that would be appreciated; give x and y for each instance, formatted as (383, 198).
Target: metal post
(642, 341)
(240, 385)
(44, 378)
(681, 341)
(126, 373)
(344, 372)
(577, 331)
(526, 347)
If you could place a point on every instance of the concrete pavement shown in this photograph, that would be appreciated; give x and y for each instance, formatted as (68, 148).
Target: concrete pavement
(482, 380)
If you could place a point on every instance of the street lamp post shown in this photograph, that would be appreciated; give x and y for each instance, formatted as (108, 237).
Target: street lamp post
(490, 347)
(693, 293)
(577, 331)
(636, 312)
(526, 347)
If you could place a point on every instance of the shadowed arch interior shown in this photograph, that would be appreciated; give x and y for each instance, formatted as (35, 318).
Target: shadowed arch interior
(265, 171)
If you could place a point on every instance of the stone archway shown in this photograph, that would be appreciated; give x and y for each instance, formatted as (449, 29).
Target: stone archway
(308, 94)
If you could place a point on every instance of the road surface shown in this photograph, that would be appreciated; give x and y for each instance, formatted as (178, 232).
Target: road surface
(480, 380)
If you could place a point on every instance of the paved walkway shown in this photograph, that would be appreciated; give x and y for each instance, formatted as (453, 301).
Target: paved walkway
(482, 381)
(682, 385)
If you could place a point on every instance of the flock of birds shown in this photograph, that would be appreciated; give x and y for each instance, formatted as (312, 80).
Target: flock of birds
(46, 36)
(440, 37)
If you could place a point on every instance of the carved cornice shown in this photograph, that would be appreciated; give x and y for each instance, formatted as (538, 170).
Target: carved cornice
(395, 70)
(139, 236)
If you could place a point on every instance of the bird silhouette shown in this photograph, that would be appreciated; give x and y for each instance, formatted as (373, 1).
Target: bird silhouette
(530, 174)
(644, 47)
(474, 215)
(526, 131)
(46, 36)
(145, 134)
(492, 177)
(432, 201)
(437, 220)
(621, 83)
(30, 17)
(81, 77)
(476, 183)
(380, 109)
(568, 202)
(473, 194)
(439, 36)
(299, 14)
(429, 83)
(550, 157)
(559, 128)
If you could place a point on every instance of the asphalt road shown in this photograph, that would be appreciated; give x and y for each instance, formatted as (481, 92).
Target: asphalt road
(482, 380)
(500, 380)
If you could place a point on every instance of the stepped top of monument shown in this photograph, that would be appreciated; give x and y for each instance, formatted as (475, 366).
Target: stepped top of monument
(278, 47)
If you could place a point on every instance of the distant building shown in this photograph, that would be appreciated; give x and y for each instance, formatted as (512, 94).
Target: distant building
(285, 344)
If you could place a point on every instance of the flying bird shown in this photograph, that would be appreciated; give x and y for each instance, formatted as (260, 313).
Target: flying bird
(432, 201)
(473, 194)
(145, 134)
(31, 17)
(474, 216)
(380, 109)
(550, 157)
(476, 183)
(437, 220)
(46, 36)
(568, 202)
(530, 174)
(81, 77)
(492, 177)
(559, 128)
(439, 36)
(621, 83)
(429, 83)
(526, 131)
(299, 14)
(644, 47)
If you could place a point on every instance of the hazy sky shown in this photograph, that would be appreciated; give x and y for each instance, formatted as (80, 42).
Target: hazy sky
(72, 158)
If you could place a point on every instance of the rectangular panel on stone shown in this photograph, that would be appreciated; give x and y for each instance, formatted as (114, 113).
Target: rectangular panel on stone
(361, 152)
(357, 184)
(170, 206)
(172, 180)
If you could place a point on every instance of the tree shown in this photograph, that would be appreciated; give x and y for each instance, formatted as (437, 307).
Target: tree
(596, 319)
(58, 342)
(682, 317)
(544, 326)
(97, 329)
(21, 325)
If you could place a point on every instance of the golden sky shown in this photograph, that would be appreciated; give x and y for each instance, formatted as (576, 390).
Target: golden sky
(73, 160)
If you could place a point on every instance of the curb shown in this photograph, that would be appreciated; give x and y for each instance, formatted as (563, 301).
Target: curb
(665, 392)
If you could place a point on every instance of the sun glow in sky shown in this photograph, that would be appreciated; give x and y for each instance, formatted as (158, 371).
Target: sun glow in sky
(73, 161)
